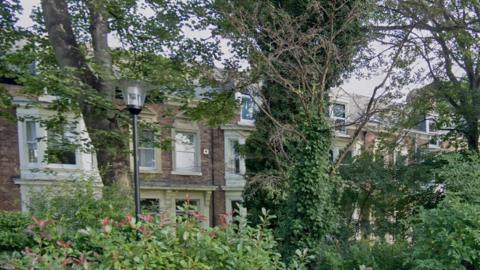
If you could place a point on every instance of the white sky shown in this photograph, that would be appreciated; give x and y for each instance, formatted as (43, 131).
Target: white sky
(354, 85)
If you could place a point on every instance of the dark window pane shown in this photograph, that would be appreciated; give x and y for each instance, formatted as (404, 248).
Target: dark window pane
(186, 207)
(150, 206)
(339, 110)
(61, 147)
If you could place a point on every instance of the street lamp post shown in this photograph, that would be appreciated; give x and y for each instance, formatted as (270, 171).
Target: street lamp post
(134, 93)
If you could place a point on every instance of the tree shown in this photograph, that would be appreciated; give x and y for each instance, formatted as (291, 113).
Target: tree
(9, 33)
(451, 229)
(379, 198)
(297, 50)
(444, 41)
(74, 61)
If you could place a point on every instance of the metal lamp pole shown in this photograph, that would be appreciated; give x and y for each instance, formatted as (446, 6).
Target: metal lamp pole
(134, 93)
(136, 184)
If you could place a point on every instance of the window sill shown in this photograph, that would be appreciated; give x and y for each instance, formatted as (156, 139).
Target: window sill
(341, 134)
(149, 170)
(234, 176)
(43, 166)
(186, 173)
(247, 122)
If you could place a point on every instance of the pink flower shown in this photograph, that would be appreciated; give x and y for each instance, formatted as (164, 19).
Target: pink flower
(199, 216)
(106, 221)
(223, 220)
(144, 230)
(40, 223)
(146, 218)
(129, 218)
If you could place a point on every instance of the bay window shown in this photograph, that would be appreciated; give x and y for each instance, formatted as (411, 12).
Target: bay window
(61, 148)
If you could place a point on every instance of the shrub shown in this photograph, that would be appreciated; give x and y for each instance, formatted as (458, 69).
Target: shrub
(377, 255)
(78, 230)
(13, 231)
(154, 243)
(79, 205)
(448, 236)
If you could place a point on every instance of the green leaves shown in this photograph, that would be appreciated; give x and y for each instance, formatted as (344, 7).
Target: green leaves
(80, 232)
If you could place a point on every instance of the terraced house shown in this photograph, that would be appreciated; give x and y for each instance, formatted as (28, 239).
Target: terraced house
(202, 163)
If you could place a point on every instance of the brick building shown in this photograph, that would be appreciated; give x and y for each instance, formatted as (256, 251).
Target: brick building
(202, 163)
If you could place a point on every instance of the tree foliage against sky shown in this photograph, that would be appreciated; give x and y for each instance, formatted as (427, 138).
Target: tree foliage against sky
(444, 40)
(72, 59)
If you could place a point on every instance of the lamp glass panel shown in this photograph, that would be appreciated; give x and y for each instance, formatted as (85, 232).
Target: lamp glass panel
(134, 96)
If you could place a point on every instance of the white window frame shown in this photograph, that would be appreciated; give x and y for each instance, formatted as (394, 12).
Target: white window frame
(231, 196)
(429, 119)
(158, 204)
(197, 156)
(335, 118)
(35, 141)
(228, 152)
(42, 146)
(155, 155)
(198, 206)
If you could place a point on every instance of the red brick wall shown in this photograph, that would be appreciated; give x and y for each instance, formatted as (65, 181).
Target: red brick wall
(165, 119)
(213, 163)
(9, 165)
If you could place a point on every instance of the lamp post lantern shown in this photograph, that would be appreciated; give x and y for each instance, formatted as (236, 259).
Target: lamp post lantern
(134, 93)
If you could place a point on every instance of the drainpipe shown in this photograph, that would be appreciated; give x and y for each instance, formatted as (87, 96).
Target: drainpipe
(212, 159)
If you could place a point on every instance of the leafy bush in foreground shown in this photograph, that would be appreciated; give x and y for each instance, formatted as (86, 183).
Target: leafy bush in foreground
(13, 235)
(448, 236)
(77, 229)
(154, 243)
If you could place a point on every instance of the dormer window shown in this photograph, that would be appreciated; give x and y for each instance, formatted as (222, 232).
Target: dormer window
(431, 123)
(339, 117)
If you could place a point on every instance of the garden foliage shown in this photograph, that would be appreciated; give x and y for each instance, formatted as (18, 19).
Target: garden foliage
(310, 210)
(77, 229)
(13, 228)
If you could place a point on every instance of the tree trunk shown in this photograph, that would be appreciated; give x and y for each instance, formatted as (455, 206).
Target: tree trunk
(112, 162)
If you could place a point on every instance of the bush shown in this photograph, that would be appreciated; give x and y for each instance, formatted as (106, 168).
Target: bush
(79, 205)
(448, 236)
(154, 243)
(13, 231)
(377, 255)
(78, 230)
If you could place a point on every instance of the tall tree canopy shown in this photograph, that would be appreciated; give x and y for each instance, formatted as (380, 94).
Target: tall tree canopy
(69, 46)
(297, 50)
(445, 43)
